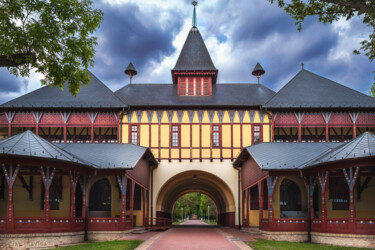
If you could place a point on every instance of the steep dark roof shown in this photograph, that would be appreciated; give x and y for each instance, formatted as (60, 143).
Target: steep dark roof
(30, 145)
(95, 95)
(194, 54)
(362, 146)
(309, 90)
(111, 156)
(167, 95)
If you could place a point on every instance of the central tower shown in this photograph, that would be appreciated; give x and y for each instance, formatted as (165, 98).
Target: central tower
(194, 72)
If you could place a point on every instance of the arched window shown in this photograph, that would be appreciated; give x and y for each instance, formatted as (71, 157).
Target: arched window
(290, 196)
(79, 201)
(100, 197)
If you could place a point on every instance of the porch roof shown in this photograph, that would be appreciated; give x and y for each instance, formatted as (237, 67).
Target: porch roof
(297, 156)
(29, 144)
(362, 146)
(109, 156)
(99, 156)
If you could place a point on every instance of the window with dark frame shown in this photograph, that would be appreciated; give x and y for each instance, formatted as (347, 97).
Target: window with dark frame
(175, 136)
(216, 136)
(339, 193)
(254, 198)
(256, 134)
(265, 195)
(134, 135)
(290, 196)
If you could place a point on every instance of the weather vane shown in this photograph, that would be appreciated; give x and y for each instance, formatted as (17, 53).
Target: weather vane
(194, 3)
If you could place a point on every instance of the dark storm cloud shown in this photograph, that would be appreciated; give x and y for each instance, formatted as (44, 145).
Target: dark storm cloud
(10, 84)
(127, 34)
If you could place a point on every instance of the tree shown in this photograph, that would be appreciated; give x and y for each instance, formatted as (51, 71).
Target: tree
(329, 11)
(52, 36)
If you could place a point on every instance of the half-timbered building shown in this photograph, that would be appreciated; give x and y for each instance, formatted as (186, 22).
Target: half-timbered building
(99, 164)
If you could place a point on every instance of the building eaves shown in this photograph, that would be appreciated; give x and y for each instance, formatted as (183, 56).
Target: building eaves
(96, 95)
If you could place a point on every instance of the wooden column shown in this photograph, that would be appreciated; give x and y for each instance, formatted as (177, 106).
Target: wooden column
(122, 182)
(271, 182)
(83, 182)
(132, 187)
(327, 133)
(73, 185)
(299, 132)
(144, 206)
(323, 177)
(148, 208)
(354, 130)
(10, 177)
(92, 132)
(311, 186)
(351, 179)
(260, 190)
(47, 178)
(248, 207)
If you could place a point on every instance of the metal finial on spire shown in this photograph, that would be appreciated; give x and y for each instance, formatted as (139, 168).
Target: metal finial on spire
(194, 3)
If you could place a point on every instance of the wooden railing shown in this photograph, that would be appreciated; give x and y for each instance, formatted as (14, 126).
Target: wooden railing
(158, 223)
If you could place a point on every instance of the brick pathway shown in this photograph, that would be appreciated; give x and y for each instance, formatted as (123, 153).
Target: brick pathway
(194, 222)
(194, 237)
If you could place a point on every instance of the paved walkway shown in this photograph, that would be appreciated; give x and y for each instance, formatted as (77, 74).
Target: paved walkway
(194, 237)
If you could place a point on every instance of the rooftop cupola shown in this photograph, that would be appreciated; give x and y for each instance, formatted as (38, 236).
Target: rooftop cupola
(130, 71)
(194, 71)
(258, 71)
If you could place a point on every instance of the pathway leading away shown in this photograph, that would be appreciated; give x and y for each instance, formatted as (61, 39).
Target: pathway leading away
(194, 237)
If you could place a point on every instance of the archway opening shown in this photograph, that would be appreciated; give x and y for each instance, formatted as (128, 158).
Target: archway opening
(100, 199)
(200, 182)
(290, 200)
(195, 208)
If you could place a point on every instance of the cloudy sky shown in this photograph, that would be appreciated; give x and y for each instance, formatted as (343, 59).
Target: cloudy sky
(238, 33)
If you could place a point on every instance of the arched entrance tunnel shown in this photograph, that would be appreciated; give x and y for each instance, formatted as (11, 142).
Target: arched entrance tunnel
(201, 182)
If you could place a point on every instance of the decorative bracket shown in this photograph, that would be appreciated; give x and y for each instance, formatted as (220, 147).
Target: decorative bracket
(350, 178)
(271, 182)
(47, 177)
(9, 175)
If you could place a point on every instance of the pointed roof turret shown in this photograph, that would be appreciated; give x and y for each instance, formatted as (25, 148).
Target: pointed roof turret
(258, 71)
(131, 71)
(194, 55)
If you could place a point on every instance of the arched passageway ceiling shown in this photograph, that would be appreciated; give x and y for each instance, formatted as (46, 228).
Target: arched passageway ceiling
(195, 181)
(203, 187)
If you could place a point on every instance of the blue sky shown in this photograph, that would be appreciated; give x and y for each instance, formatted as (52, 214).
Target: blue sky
(237, 33)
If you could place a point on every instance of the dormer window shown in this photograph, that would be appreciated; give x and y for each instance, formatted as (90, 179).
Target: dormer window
(194, 86)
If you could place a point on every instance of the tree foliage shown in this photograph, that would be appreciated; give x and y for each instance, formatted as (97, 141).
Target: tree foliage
(194, 204)
(52, 36)
(329, 11)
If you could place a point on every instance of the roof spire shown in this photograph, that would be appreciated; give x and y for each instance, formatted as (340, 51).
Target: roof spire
(194, 3)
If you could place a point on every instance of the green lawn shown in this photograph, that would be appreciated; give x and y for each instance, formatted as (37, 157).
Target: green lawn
(107, 245)
(261, 244)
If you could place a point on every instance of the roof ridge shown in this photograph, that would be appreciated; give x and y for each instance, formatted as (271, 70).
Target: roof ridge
(289, 82)
(108, 88)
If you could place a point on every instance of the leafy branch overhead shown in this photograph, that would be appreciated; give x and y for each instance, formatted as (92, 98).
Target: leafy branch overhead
(54, 37)
(329, 11)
